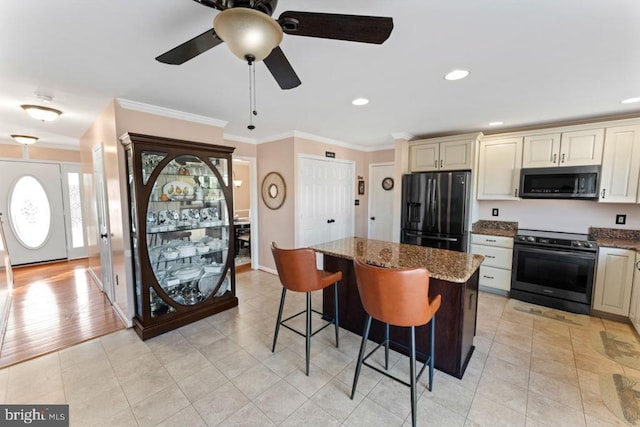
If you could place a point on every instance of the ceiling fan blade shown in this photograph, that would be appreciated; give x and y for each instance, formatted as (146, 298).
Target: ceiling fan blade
(355, 28)
(190, 49)
(215, 4)
(281, 69)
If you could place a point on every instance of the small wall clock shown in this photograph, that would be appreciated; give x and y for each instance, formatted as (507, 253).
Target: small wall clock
(387, 183)
(274, 190)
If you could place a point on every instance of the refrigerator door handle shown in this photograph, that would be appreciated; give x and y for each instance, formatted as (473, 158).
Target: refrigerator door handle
(428, 207)
(433, 203)
(443, 239)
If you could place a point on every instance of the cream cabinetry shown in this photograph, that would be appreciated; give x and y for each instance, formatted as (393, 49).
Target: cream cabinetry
(495, 271)
(499, 168)
(576, 148)
(620, 165)
(433, 155)
(614, 279)
(634, 310)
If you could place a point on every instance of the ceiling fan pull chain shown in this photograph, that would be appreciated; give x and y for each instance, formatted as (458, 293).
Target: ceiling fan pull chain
(253, 72)
(252, 110)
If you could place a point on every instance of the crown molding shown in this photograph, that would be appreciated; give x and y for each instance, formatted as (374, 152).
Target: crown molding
(321, 139)
(168, 112)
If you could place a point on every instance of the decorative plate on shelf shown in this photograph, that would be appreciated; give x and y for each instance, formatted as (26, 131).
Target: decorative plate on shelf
(274, 190)
(178, 190)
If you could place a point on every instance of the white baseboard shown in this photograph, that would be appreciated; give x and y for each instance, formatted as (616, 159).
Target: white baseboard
(125, 319)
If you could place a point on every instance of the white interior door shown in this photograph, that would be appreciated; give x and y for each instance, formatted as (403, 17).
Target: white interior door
(325, 195)
(380, 202)
(31, 201)
(104, 231)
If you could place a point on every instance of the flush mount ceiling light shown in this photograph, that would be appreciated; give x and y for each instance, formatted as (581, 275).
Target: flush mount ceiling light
(25, 139)
(456, 75)
(360, 101)
(250, 35)
(495, 123)
(631, 100)
(39, 112)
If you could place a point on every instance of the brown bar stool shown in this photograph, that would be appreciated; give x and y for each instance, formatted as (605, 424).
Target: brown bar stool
(297, 271)
(398, 297)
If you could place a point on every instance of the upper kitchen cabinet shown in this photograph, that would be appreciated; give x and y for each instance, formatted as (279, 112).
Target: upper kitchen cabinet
(576, 148)
(442, 154)
(620, 165)
(499, 169)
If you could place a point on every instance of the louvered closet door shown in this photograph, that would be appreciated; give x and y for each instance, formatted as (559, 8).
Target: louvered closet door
(325, 193)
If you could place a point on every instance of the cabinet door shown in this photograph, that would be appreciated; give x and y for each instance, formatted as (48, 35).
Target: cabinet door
(581, 147)
(614, 279)
(634, 310)
(620, 165)
(455, 155)
(541, 151)
(424, 157)
(499, 169)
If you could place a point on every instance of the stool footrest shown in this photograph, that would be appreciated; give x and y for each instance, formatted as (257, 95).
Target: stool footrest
(387, 374)
(331, 322)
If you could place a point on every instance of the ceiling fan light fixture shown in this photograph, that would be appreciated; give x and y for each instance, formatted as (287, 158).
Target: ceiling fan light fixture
(456, 75)
(25, 139)
(247, 32)
(39, 112)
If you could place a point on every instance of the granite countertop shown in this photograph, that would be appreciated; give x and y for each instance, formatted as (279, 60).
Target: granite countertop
(616, 238)
(495, 228)
(442, 264)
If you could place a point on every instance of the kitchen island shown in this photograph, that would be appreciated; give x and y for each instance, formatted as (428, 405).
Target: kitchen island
(454, 275)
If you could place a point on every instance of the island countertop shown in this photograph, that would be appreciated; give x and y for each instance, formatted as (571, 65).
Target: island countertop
(442, 264)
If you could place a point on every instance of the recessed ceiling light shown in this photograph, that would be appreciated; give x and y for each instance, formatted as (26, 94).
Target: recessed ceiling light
(38, 112)
(456, 75)
(631, 100)
(496, 123)
(360, 101)
(25, 139)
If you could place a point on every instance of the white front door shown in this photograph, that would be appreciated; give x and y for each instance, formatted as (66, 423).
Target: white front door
(31, 203)
(104, 231)
(380, 202)
(325, 195)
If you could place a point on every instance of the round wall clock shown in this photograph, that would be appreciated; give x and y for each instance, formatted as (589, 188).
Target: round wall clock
(387, 183)
(274, 190)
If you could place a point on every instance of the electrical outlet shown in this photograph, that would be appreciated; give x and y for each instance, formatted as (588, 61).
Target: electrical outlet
(621, 219)
(494, 212)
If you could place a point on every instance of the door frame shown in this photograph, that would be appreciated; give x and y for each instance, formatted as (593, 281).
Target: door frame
(253, 210)
(370, 199)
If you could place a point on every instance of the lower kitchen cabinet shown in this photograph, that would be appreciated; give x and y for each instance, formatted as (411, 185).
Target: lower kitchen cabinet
(634, 310)
(495, 271)
(614, 280)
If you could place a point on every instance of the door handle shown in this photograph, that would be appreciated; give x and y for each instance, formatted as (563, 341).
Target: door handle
(441, 163)
(488, 277)
(563, 157)
(603, 192)
(373, 218)
(554, 157)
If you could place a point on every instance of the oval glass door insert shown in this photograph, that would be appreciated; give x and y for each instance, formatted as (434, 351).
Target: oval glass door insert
(30, 212)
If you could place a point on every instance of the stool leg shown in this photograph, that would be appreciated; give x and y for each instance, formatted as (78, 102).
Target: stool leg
(432, 352)
(386, 346)
(412, 370)
(363, 346)
(275, 335)
(335, 311)
(308, 334)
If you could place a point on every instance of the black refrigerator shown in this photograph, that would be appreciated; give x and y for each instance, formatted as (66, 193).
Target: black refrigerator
(435, 209)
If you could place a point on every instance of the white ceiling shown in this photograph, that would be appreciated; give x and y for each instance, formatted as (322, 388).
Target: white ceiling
(530, 62)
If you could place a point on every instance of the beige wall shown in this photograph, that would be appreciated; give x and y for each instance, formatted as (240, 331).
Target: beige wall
(241, 201)
(11, 151)
(53, 154)
(276, 225)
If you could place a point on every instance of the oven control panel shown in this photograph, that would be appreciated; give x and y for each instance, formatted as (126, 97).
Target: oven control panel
(558, 242)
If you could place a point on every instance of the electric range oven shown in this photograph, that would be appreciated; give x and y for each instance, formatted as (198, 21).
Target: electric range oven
(554, 269)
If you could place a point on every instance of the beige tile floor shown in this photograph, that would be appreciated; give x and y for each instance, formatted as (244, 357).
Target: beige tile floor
(220, 371)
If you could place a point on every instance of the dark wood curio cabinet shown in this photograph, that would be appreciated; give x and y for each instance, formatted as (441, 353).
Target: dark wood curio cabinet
(180, 211)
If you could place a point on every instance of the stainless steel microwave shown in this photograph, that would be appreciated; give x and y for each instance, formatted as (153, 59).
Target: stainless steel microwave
(572, 182)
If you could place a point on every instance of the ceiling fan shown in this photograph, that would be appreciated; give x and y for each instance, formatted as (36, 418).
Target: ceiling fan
(253, 35)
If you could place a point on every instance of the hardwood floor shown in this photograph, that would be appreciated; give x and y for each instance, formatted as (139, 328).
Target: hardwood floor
(54, 306)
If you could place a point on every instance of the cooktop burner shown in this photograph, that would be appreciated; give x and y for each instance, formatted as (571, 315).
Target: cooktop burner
(556, 239)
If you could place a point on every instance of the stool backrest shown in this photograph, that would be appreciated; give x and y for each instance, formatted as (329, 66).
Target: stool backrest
(297, 268)
(399, 297)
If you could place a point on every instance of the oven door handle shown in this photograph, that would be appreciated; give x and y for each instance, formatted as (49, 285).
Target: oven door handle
(554, 252)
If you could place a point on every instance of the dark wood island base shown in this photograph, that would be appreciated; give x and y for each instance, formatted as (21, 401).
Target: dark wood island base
(455, 321)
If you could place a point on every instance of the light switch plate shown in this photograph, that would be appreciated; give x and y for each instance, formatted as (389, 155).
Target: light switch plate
(494, 212)
(621, 219)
